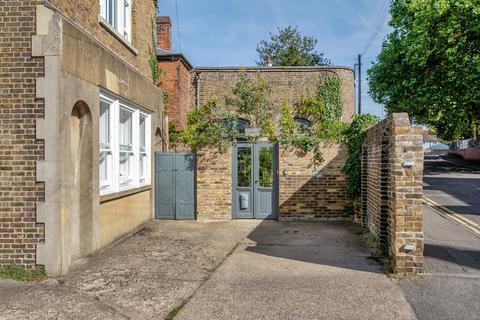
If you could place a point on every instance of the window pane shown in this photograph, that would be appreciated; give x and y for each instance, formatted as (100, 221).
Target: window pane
(104, 124)
(125, 130)
(143, 167)
(244, 167)
(125, 168)
(142, 134)
(265, 168)
(104, 169)
(111, 12)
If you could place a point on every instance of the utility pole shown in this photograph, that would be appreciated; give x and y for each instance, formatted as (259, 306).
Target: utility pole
(359, 84)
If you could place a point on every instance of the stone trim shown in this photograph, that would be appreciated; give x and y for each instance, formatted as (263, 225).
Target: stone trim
(117, 35)
(46, 43)
(123, 194)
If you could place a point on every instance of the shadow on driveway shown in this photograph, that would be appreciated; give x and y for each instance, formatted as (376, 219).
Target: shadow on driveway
(335, 244)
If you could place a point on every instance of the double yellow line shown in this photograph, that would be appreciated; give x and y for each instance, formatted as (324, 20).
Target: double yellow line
(452, 215)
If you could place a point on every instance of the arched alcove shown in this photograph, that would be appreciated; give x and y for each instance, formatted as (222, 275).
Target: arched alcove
(81, 173)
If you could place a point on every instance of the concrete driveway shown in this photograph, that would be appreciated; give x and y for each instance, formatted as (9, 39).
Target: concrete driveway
(299, 271)
(222, 270)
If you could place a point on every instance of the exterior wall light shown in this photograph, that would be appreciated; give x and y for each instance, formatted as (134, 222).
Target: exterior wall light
(408, 164)
(409, 247)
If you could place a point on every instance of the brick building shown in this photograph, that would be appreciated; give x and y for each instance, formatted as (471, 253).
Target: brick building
(79, 121)
(175, 75)
(299, 190)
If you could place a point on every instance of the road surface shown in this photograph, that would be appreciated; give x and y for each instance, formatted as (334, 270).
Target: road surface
(451, 287)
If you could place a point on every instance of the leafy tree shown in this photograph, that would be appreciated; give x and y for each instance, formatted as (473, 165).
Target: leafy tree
(430, 65)
(289, 48)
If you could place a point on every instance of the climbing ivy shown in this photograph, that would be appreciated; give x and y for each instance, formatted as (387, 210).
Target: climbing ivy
(324, 110)
(210, 125)
(354, 136)
(250, 99)
(173, 135)
(153, 57)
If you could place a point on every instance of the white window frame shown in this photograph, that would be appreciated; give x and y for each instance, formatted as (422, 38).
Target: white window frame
(143, 153)
(113, 170)
(107, 150)
(121, 19)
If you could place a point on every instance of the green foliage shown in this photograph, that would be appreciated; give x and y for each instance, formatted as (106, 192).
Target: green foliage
(173, 135)
(15, 272)
(288, 126)
(153, 61)
(266, 168)
(430, 65)
(210, 125)
(354, 136)
(289, 48)
(155, 3)
(252, 101)
(324, 110)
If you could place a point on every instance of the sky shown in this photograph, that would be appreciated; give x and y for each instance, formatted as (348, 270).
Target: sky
(226, 32)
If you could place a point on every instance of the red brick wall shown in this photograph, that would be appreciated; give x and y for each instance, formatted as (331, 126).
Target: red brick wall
(164, 33)
(176, 83)
(19, 149)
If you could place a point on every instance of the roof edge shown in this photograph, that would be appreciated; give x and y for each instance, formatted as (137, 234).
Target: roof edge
(173, 56)
(261, 68)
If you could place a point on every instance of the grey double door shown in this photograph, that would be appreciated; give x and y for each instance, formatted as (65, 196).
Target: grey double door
(255, 186)
(175, 186)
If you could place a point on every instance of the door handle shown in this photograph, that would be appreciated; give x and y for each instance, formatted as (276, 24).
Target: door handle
(256, 181)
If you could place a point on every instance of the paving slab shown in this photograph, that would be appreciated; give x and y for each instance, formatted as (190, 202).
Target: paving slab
(144, 277)
(299, 271)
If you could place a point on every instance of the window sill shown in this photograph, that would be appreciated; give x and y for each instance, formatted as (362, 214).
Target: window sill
(122, 194)
(117, 35)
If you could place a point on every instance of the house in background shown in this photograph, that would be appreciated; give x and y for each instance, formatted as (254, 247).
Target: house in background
(80, 121)
(432, 144)
(175, 75)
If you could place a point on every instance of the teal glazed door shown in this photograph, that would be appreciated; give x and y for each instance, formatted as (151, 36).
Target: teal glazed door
(255, 185)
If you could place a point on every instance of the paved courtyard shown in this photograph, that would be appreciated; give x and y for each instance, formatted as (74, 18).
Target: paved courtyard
(222, 270)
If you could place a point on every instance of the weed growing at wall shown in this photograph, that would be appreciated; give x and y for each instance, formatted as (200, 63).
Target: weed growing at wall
(15, 272)
(354, 136)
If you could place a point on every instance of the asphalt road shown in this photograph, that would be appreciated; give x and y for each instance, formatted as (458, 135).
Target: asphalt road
(453, 185)
(451, 287)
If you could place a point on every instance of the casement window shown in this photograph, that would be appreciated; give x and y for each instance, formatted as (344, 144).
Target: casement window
(125, 142)
(118, 14)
